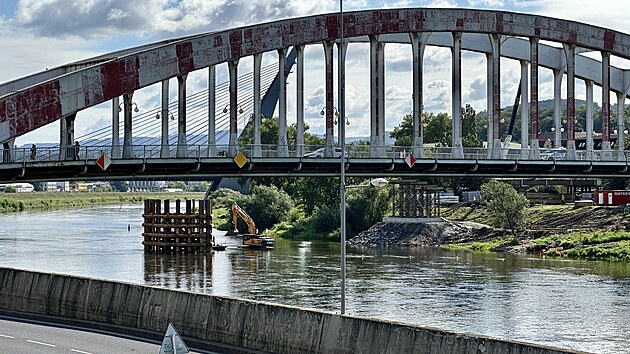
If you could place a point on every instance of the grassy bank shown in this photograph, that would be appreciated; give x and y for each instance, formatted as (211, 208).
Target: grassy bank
(593, 233)
(12, 202)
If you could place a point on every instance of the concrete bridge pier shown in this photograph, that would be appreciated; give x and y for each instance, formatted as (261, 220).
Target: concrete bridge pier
(621, 101)
(456, 71)
(495, 41)
(533, 101)
(606, 148)
(182, 145)
(257, 149)
(557, 120)
(377, 97)
(66, 137)
(525, 146)
(489, 106)
(329, 110)
(418, 45)
(341, 60)
(569, 51)
(283, 147)
(299, 139)
(127, 121)
(6, 151)
(165, 148)
(212, 139)
(233, 109)
(115, 128)
(589, 119)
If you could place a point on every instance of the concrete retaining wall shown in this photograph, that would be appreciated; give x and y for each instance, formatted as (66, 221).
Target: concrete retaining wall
(242, 323)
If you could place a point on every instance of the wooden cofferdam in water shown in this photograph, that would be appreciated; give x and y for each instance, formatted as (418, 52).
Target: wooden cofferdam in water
(173, 230)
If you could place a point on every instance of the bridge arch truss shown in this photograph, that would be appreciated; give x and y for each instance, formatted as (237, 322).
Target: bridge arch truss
(58, 94)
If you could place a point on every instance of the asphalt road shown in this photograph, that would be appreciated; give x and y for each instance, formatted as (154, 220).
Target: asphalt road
(21, 336)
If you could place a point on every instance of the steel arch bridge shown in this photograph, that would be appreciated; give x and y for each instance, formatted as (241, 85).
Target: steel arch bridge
(58, 94)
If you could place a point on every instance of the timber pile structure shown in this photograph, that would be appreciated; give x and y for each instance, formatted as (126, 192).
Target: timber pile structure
(168, 230)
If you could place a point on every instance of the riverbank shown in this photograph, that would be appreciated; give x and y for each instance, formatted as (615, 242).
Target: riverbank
(12, 202)
(561, 231)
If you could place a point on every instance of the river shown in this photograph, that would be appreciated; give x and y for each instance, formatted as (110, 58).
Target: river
(581, 305)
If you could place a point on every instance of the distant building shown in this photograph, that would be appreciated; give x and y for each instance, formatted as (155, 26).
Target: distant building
(146, 186)
(56, 186)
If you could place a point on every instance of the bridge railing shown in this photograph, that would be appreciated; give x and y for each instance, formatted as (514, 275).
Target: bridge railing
(85, 153)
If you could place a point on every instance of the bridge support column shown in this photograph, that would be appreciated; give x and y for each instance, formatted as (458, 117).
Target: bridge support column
(533, 102)
(569, 50)
(299, 142)
(589, 119)
(524, 111)
(165, 149)
(127, 121)
(283, 146)
(212, 109)
(489, 106)
(182, 144)
(115, 128)
(7, 157)
(381, 99)
(233, 71)
(66, 138)
(341, 59)
(257, 149)
(377, 109)
(606, 148)
(495, 40)
(557, 123)
(456, 71)
(621, 127)
(329, 110)
(418, 44)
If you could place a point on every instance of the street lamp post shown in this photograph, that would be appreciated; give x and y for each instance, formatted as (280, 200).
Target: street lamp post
(377, 182)
(342, 171)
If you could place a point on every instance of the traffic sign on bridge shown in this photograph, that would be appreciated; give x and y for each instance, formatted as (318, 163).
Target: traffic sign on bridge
(410, 160)
(103, 161)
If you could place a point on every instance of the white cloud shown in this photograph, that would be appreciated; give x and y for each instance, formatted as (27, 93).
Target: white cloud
(486, 3)
(101, 18)
(610, 13)
(41, 28)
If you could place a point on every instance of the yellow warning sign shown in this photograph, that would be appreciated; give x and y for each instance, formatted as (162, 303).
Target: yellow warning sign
(240, 159)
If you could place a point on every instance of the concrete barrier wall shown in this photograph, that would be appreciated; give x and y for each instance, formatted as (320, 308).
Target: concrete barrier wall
(243, 323)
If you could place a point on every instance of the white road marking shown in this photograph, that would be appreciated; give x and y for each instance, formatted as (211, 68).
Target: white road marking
(41, 343)
(5, 336)
(79, 351)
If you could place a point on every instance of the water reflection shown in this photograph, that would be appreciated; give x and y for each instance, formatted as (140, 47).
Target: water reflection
(574, 304)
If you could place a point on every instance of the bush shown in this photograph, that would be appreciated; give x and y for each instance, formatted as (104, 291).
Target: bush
(325, 219)
(267, 205)
(505, 206)
(366, 207)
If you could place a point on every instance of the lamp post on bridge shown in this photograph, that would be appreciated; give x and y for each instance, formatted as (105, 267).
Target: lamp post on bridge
(342, 156)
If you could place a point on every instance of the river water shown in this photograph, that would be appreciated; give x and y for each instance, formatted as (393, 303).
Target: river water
(580, 305)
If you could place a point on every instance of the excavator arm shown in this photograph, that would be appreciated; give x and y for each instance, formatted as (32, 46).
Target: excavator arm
(237, 212)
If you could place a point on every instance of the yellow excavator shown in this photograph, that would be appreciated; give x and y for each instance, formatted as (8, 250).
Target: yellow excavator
(251, 238)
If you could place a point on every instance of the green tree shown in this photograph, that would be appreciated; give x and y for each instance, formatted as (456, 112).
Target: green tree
(269, 134)
(267, 205)
(470, 126)
(366, 207)
(10, 189)
(506, 207)
(437, 129)
(403, 133)
(178, 184)
(120, 186)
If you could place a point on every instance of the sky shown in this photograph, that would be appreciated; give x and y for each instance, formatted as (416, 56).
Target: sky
(40, 34)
